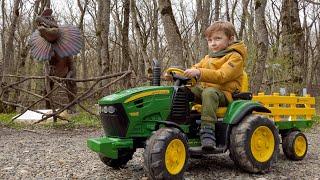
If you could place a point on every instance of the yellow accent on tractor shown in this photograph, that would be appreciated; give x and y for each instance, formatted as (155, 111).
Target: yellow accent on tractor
(144, 94)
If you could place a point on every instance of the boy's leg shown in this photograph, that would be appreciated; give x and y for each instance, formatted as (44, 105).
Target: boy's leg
(211, 99)
(197, 91)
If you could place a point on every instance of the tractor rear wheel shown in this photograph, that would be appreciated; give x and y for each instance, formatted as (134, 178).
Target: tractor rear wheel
(124, 156)
(166, 154)
(254, 144)
(295, 145)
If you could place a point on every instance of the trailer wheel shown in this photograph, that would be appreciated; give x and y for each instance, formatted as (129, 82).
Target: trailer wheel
(124, 156)
(295, 145)
(254, 144)
(166, 154)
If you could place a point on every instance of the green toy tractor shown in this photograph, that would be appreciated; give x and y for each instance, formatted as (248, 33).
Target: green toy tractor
(164, 121)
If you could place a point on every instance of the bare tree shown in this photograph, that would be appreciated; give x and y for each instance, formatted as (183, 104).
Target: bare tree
(227, 10)
(99, 28)
(83, 50)
(3, 11)
(262, 45)
(9, 52)
(204, 25)
(202, 20)
(105, 38)
(172, 32)
(155, 30)
(243, 17)
(292, 41)
(216, 10)
(125, 40)
(233, 11)
(143, 33)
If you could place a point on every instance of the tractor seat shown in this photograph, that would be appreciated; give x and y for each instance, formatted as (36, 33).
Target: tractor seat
(243, 94)
(221, 111)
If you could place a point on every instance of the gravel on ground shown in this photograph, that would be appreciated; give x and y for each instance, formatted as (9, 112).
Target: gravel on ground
(63, 154)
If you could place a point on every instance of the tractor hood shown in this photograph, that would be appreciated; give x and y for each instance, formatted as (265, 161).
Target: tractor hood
(129, 95)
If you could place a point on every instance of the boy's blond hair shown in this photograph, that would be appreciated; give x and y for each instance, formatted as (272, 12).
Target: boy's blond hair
(224, 26)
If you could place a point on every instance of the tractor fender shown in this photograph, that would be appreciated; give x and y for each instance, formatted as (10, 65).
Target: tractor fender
(169, 124)
(238, 110)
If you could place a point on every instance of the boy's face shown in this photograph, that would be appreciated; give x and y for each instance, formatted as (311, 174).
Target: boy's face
(219, 41)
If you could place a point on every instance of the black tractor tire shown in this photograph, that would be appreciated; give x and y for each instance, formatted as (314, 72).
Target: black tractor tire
(124, 156)
(295, 145)
(254, 144)
(155, 155)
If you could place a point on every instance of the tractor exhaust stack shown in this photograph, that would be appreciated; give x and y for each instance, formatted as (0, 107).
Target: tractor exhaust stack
(156, 72)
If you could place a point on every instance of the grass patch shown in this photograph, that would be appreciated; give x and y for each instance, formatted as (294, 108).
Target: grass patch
(80, 120)
(5, 120)
(86, 120)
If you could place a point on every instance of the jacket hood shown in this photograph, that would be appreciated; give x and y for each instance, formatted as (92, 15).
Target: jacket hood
(241, 48)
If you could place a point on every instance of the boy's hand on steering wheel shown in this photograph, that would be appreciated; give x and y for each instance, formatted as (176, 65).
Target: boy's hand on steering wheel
(190, 73)
(167, 77)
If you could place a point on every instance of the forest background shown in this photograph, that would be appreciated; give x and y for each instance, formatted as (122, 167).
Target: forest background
(283, 39)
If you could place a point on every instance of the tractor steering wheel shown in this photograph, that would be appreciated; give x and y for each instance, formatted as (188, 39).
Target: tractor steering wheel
(179, 78)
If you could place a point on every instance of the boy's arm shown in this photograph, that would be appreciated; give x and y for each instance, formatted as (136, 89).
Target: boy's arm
(230, 70)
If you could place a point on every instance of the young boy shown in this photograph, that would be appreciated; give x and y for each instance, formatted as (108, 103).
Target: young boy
(220, 74)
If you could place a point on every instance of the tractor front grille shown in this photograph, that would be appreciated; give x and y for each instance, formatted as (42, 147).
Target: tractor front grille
(115, 124)
(180, 111)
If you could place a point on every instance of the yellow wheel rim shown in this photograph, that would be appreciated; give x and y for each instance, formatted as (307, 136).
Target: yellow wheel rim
(175, 156)
(262, 144)
(300, 146)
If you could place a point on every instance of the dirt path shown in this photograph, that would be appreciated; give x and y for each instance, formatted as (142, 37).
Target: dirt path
(52, 154)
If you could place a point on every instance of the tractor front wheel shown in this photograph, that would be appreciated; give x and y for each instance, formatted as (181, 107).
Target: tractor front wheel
(123, 157)
(254, 144)
(295, 145)
(166, 154)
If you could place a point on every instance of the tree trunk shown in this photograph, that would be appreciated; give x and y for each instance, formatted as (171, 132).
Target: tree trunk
(227, 11)
(125, 40)
(262, 45)
(216, 10)
(144, 64)
(204, 25)
(155, 31)
(233, 9)
(99, 34)
(293, 42)
(105, 37)
(3, 46)
(243, 17)
(197, 24)
(172, 33)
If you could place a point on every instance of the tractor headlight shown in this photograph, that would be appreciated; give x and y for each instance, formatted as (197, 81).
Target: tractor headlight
(104, 109)
(111, 109)
(108, 109)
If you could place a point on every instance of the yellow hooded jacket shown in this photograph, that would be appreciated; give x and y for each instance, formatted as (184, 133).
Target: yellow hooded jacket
(224, 72)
